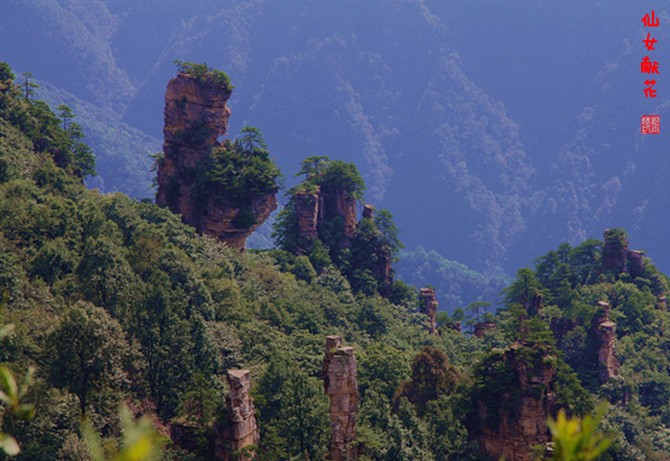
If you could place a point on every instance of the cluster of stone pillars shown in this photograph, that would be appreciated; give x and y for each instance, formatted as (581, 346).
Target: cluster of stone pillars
(339, 373)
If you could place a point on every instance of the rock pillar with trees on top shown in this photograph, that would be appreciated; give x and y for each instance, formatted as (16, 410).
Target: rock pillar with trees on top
(340, 383)
(223, 189)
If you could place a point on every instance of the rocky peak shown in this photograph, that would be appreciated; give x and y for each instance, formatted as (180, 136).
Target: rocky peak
(195, 106)
(429, 306)
(523, 411)
(240, 429)
(341, 385)
(196, 115)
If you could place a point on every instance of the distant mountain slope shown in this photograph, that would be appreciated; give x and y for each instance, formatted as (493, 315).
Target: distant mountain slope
(507, 128)
(122, 152)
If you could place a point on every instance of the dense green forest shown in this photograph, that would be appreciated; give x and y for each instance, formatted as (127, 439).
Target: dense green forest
(115, 301)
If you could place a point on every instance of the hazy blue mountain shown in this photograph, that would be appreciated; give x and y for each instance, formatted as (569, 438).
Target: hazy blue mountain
(493, 132)
(122, 152)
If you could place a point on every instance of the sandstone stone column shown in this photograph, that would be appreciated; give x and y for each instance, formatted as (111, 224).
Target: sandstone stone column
(307, 211)
(635, 263)
(605, 331)
(522, 422)
(240, 429)
(196, 115)
(341, 385)
(615, 251)
(429, 307)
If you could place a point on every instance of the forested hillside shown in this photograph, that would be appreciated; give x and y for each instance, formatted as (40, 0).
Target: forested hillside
(115, 300)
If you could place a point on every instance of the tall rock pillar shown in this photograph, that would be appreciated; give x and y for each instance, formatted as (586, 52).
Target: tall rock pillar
(240, 429)
(429, 307)
(605, 332)
(196, 115)
(341, 385)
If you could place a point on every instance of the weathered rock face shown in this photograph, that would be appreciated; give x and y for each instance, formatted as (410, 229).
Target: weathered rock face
(220, 218)
(615, 251)
(307, 210)
(338, 203)
(196, 114)
(429, 306)
(617, 258)
(526, 423)
(241, 429)
(315, 208)
(635, 262)
(605, 332)
(341, 385)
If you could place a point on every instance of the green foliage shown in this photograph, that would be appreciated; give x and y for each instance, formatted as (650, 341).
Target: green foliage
(6, 73)
(285, 230)
(454, 283)
(342, 176)
(313, 166)
(293, 407)
(388, 231)
(577, 439)
(237, 171)
(366, 262)
(140, 441)
(86, 354)
(36, 120)
(11, 402)
(432, 376)
(204, 72)
(303, 269)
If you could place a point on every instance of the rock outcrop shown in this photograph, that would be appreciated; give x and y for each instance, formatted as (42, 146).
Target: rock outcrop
(482, 327)
(617, 258)
(196, 115)
(317, 207)
(239, 430)
(615, 251)
(338, 203)
(635, 262)
(307, 210)
(605, 332)
(429, 306)
(322, 205)
(522, 412)
(341, 385)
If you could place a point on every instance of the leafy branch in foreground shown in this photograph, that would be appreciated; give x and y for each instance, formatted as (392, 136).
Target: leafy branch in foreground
(578, 439)
(140, 442)
(11, 394)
